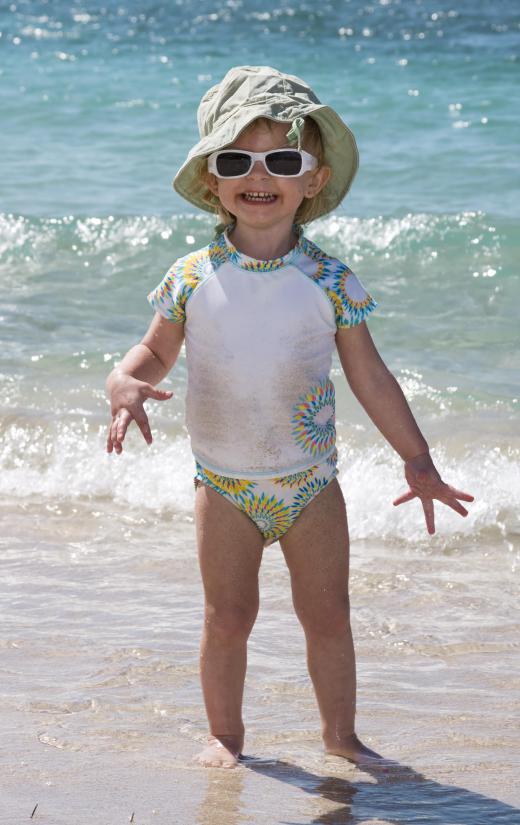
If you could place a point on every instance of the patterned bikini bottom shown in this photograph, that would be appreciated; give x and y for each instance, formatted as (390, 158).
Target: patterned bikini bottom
(273, 504)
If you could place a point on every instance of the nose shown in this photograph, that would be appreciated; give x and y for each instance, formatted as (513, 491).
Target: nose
(258, 169)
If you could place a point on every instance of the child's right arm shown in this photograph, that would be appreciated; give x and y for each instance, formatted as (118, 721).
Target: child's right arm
(134, 379)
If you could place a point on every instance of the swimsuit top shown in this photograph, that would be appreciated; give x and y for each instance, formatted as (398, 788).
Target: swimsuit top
(259, 341)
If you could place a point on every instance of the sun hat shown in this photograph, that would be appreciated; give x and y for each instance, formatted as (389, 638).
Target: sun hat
(249, 92)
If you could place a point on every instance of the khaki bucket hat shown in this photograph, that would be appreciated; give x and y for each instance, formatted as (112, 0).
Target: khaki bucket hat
(249, 92)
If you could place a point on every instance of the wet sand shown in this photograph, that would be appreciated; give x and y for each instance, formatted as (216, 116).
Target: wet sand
(101, 709)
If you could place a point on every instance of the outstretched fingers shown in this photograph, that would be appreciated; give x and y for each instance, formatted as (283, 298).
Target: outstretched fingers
(448, 496)
(404, 498)
(141, 419)
(451, 500)
(158, 395)
(139, 414)
(426, 484)
(427, 505)
(429, 514)
(128, 396)
(460, 494)
(117, 431)
(455, 505)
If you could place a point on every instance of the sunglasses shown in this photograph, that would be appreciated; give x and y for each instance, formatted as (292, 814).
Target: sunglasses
(281, 163)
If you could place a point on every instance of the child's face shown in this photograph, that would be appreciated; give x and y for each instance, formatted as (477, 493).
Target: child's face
(286, 193)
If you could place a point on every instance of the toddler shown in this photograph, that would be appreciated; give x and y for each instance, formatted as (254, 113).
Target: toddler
(261, 309)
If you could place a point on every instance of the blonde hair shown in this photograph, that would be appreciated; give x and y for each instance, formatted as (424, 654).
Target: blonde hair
(308, 210)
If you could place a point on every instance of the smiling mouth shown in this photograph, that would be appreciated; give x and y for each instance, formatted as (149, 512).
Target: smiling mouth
(259, 197)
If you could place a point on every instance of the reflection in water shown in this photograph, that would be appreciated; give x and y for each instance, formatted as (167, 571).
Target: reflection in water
(222, 802)
(399, 796)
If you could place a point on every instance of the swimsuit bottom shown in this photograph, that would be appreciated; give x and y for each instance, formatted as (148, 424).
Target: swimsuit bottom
(273, 504)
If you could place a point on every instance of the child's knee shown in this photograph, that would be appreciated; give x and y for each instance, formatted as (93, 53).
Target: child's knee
(325, 621)
(230, 623)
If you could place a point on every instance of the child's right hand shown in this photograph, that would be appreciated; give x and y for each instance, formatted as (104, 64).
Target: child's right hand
(127, 399)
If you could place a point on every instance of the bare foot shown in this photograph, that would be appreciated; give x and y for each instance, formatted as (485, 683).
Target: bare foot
(354, 750)
(216, 754)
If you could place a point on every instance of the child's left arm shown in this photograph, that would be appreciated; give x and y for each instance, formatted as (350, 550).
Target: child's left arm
(381, 396)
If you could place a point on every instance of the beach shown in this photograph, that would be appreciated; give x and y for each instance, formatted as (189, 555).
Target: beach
(101, 709)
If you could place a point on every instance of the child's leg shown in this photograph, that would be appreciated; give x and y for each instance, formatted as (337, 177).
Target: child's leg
(316, 550)
(230, 551)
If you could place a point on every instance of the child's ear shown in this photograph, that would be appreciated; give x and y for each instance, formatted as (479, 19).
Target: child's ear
(211, 182)
(319, 178)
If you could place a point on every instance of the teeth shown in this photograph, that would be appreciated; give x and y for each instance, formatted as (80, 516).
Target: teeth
(258, 196)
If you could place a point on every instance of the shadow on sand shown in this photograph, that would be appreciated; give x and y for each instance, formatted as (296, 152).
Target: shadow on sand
(399, 795)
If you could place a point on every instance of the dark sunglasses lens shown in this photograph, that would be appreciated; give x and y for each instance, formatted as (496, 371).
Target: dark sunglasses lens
(284, 163)
(233, 164)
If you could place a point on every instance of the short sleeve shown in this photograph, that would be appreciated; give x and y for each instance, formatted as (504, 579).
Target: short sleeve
(170, 296)
(351, 301)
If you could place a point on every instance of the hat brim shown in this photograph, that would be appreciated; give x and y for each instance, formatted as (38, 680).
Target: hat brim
(339, 145)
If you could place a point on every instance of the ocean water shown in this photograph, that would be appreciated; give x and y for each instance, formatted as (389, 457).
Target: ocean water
(101, 599)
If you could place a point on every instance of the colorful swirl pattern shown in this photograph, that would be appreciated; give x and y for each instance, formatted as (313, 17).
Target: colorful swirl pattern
(348, 297)
(273, 503)
(313, 421)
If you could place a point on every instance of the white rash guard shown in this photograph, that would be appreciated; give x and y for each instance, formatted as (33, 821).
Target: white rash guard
(259, 342)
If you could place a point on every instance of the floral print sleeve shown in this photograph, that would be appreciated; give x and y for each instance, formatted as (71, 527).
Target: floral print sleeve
(170, 296)
(351, 301)
(349, 298)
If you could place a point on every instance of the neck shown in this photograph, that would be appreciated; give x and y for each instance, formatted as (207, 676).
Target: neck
(263, 244)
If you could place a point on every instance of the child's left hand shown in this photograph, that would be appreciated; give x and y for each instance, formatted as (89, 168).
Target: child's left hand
(425, 483)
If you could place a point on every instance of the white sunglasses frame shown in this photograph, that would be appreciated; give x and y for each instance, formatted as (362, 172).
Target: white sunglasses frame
(309, 162)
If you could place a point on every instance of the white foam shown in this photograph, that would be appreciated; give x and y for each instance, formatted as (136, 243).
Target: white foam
(72, 465)
(373, 478)
(122, 235)
(367, 236)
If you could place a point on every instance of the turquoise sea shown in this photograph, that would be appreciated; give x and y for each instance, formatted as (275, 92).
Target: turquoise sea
(101, 601)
